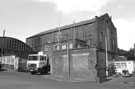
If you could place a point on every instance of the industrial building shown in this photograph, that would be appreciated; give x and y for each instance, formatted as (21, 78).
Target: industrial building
(13, 50)
(80, 50)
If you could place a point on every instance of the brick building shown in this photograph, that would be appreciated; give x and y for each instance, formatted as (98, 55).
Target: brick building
(92, 44)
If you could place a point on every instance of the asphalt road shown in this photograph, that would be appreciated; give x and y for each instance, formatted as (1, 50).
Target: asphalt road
(10, 79)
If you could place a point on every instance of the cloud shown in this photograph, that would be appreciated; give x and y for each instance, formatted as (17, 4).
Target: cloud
(71, 6)
(125, 32)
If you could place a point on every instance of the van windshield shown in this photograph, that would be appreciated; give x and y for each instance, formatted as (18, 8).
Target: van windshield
(43, 58)
(33, 58)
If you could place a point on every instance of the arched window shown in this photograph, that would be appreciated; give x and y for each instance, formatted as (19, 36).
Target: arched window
(113, 44)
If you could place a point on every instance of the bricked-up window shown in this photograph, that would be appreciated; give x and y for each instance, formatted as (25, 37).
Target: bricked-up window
(107, 21)
(108, 38)
(101, 37)
(113, 44)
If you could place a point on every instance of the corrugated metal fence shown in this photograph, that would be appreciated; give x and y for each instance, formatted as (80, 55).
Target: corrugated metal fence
(10, 62)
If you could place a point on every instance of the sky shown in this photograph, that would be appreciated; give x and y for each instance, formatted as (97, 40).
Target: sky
(24, 18)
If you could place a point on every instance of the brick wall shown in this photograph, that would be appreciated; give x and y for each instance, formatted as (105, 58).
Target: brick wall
(82, 64)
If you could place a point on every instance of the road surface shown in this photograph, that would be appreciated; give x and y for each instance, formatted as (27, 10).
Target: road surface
(10, 79)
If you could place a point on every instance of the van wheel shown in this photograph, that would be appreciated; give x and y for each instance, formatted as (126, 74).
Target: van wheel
(33, 72)
(43, 70)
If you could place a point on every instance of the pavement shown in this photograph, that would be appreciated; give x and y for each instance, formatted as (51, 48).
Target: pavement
(66, 79)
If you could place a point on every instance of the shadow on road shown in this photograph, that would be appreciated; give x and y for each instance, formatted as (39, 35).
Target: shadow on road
(1, 70)
(105, 80)
(108, 80)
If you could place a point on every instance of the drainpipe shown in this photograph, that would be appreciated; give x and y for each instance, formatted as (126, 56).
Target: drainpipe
(106, 52)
